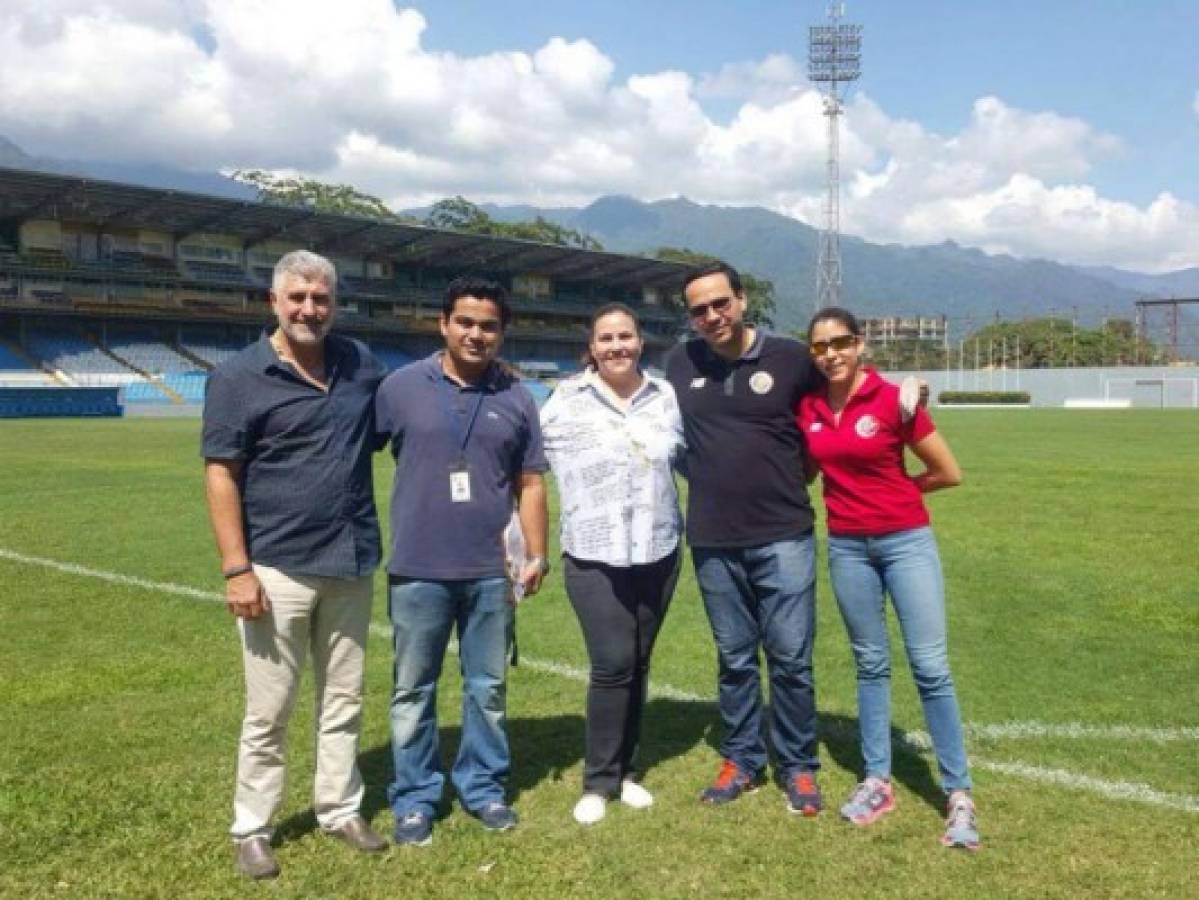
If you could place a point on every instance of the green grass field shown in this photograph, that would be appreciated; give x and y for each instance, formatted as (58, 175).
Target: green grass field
(1074, 601)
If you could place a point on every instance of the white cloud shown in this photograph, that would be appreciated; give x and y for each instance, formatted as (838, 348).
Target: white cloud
(766, 81)
(348, 92)
(1009, 182)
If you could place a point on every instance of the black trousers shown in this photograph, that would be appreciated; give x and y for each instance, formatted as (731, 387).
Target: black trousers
(620, 610)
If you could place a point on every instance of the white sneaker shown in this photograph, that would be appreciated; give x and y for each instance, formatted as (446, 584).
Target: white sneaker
(590, 809)
(634, 795)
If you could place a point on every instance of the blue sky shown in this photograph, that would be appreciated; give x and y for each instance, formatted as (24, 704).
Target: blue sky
(1129, 68)
(1062, 130)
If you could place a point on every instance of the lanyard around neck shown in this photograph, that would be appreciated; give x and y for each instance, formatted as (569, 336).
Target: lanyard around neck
(456, 425)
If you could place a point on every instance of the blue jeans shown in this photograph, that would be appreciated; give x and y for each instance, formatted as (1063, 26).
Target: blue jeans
(905, 565)
(423, 613)
(764, 597)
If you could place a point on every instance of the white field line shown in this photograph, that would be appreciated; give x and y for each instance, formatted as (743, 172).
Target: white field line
(162, 587)
(1135, 791)
(916, 741)
(1080, 731)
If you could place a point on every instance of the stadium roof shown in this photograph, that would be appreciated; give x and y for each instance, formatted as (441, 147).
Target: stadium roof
(28, 195)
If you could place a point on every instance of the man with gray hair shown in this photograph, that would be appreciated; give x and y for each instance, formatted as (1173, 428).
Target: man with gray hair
(287, 443)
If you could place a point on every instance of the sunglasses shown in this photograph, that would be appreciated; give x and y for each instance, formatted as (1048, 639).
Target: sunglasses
(840, 342)
(700, 310)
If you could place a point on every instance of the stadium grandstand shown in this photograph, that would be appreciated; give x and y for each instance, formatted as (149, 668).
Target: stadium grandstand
(106, 285)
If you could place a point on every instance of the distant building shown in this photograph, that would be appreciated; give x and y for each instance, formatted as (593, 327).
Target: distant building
(900, 329)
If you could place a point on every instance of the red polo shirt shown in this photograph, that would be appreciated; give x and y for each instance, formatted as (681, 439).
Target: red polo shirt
(867, 490)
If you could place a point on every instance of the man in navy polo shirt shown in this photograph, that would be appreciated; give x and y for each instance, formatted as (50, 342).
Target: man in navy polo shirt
(467, 445)
(287, 442)
(749, 524)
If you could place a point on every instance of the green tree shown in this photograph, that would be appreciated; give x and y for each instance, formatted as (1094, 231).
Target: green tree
(546, 232)
(1059, 343)
(459, 214)
(759, 292)
(308, 193)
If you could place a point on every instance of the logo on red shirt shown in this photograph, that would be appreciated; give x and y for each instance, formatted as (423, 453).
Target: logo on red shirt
(866, 427)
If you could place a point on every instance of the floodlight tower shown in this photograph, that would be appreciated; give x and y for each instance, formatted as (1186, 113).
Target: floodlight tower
(834, 59)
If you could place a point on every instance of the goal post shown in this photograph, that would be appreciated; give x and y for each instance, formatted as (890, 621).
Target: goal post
(1189, 387)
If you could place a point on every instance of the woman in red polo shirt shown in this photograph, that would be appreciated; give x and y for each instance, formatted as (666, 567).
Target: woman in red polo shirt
(880, 544)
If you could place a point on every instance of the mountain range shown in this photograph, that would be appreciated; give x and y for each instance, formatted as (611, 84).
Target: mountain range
(968, 286)
(146, 175)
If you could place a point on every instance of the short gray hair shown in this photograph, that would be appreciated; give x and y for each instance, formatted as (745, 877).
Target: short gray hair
(306, 264)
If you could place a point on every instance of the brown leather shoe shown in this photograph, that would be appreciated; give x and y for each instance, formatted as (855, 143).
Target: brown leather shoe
(359, 835)
(256, 859)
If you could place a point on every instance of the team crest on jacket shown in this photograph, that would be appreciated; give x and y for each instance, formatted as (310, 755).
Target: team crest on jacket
(866, 427)
(761, 382)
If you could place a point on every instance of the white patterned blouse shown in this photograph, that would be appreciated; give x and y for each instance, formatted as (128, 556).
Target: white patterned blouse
(616, 486)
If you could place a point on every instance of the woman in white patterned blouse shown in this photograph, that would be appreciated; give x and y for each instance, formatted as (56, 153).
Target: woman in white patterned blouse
(612, 434)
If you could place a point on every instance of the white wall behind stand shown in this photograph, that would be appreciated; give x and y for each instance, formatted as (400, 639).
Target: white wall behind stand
(1142, 386)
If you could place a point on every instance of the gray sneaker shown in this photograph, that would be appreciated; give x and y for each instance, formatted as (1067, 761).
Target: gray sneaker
(869, 802)
(255, 858)
(414, 830)
(497, 817)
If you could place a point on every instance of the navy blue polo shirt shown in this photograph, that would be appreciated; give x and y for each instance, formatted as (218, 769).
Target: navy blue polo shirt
(745, 455)
(307, 494)
(424, 414)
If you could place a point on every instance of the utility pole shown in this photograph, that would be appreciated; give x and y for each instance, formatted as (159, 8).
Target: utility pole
(1074, 337)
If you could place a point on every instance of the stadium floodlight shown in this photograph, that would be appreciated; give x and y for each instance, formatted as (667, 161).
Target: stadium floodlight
(834, 59)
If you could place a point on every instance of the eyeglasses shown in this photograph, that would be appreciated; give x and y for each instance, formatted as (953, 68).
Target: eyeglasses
(720, 307)
(840, 342)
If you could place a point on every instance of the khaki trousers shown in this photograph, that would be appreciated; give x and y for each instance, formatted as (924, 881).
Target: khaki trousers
(330, 616)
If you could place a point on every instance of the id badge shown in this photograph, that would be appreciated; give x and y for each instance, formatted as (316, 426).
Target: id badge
(460, 486)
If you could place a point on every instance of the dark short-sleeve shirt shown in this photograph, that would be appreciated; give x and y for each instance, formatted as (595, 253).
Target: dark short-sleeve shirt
(308, 500)
(745, 454)
(424, 415)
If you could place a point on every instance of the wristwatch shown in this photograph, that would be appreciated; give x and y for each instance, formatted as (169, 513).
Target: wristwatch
(542, 563)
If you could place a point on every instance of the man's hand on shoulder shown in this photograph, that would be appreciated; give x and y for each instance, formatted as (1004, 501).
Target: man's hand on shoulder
(245, 597)
(913, 393)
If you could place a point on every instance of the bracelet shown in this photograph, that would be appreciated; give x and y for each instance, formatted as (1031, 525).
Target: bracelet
(542, 563)
(239, 570)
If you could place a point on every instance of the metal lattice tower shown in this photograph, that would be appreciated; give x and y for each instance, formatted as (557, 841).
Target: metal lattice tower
(1172, 308)
(834, 59)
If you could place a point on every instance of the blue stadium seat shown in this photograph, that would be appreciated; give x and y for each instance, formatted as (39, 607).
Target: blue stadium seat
(144, 350)
(392, 357)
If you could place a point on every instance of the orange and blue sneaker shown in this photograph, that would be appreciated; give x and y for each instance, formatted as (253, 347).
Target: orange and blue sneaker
(731, 782)
(803, 794)
(869, 802)
(961, 829)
